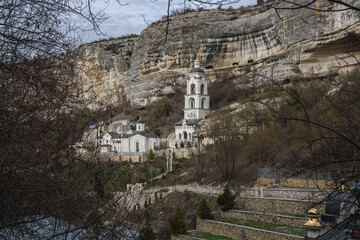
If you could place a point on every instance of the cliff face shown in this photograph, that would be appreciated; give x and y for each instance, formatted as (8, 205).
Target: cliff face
(289, 44)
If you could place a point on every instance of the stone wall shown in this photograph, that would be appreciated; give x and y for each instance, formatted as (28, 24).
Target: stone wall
(240, 232)
(277, 205)
(117, 157)
(265, 217)
(298, 183)
(280, 192)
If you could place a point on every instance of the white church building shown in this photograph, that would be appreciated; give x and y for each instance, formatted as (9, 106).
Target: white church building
(136, 143)
(197, 104)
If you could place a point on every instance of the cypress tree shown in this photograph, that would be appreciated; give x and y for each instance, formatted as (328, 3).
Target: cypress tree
(226, 200)
(204, 210)
(178, 224)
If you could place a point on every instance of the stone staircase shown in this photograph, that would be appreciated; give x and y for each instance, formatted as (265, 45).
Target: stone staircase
(259, 218)
(136, 200)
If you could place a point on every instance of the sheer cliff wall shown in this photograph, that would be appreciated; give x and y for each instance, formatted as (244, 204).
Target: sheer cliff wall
(290, 44)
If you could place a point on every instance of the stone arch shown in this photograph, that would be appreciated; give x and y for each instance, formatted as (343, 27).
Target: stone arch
(192, 103)
(185, 135)
(192, 89)
(179, 135)
(202, 88)
(189, 135)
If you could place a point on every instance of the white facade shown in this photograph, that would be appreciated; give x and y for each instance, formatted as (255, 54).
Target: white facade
(138, 142)
(197, 104)
(197, 100)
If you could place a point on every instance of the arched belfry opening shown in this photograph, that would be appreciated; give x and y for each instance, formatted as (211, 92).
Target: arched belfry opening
(192, 103)
(192, 89)
(203, 103)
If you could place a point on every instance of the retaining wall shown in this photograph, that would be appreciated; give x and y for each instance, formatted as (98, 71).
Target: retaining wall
(298, 183)
(240, 232)
(291, 193)
(291, 221)
(279, 206)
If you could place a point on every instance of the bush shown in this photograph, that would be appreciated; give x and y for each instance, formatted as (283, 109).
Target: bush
(204, 210)
(146, 233)
(226, 200)
(178, 224)
(151, 154)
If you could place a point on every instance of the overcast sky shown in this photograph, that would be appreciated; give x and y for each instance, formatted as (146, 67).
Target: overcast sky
(129, 19)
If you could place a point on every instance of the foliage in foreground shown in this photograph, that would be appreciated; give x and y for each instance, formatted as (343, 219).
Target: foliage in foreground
(146, 234)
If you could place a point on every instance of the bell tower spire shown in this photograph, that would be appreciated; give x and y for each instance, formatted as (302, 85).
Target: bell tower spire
(197, 100)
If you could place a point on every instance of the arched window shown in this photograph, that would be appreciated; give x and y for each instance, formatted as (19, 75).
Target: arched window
(189, 135)
(203, 101)
(185, 135)
(179, 135)
(192, 103)
(137, 146)
(202, 89)
(192, 89)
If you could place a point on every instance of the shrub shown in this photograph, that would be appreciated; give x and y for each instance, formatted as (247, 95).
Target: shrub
(164, 109)
(182, 145)
(204, 210)
(226, 200)
(178, 224)
(151, 154)
(146, 233)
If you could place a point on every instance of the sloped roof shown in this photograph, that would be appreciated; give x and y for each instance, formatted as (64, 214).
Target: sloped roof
(197, 70)
(115, 135)
(145, 134)
(188, 122)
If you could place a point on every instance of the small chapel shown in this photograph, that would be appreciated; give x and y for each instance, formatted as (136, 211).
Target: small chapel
(136, 143)
(197, 104)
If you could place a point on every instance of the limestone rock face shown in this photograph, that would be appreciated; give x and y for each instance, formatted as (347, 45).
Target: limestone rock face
(284, 45)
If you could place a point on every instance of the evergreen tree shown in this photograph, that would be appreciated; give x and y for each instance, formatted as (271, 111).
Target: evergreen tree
(204, 210)
(226, 200)
(178, 224)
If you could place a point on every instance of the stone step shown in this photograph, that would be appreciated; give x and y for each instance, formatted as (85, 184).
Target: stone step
(283, 206)
(195, 235)
(271, 218)
(239, 232)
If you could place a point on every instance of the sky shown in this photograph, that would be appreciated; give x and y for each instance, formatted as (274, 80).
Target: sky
(135, 16)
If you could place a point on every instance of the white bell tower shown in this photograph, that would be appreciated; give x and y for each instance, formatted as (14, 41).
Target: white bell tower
(197, 100)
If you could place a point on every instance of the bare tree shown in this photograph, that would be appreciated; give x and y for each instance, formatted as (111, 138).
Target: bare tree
(225, 135)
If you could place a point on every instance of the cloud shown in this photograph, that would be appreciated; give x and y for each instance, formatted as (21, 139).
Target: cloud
(129, 19)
